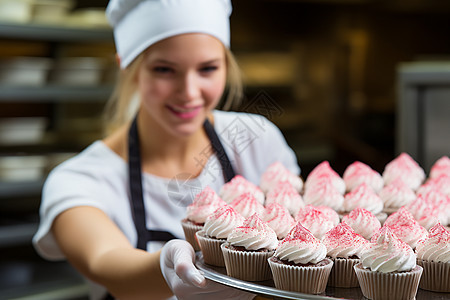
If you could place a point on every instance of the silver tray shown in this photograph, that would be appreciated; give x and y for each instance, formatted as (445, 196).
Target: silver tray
(267, 288)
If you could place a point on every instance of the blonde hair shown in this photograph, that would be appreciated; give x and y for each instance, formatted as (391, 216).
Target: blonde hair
(121, 108)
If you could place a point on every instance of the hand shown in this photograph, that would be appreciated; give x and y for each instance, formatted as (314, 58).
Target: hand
(186, 282)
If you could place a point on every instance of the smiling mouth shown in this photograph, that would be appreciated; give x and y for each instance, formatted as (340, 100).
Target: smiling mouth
(185, 113)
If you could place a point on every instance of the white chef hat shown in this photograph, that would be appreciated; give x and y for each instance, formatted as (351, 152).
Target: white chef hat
(138, 24)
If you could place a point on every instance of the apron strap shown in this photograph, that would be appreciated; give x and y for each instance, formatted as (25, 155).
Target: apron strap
(227, 168)
(135, 182)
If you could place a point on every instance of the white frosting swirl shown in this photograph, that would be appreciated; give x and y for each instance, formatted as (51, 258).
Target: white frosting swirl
(204, 204)
(315, 220)
(277, 172)
(324, 170)
(253, 234)
(440, 167)
(388, 254)
(436, 247)
(405, 227)
(358, 173)
(396, 194)
(285, 194)
(220, 224)
(301, 247)
(279, 219)
(363, 222)
(324, 193)
(363, 196)
(237, 186)
(246, 204)
(403, 166)
(342, 241)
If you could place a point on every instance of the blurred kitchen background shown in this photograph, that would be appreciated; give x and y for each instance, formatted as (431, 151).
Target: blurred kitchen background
(345, 80)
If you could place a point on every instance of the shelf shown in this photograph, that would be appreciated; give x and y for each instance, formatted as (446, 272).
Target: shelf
(54, 33)
(55, 93)
(21, 189)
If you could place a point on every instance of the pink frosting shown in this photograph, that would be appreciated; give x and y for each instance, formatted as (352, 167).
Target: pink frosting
(204, 204)
(358, 173)
(279, 219)
(405, 167)
(285, 194)
(315, 220)
(237, 186)
(363, 222)
(430, 208)
(324, 170)
(403, 224)
(440, 184)
(363, 196)
(396, 194)
(323, 192)
(343, 241)
(277, 172)
(440, 167)
(330, 213)
(246, 204)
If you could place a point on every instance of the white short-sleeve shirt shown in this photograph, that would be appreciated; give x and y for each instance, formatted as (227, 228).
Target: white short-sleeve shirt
(98, 177)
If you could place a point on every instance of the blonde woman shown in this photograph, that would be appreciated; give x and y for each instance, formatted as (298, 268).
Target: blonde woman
(111, 210)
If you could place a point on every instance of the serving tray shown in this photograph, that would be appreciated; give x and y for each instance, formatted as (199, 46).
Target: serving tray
(267, 288)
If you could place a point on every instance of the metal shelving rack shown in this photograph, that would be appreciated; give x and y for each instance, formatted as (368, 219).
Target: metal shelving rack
(17, 231)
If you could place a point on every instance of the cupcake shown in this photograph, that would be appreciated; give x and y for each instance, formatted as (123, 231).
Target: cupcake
(431, 208)
(246, 204)
(440, 167)
(364, 196)
(247, 249)
(204, 204)
(323, 193)
(324, 170)
(237, 186)
(300, 264)
(277, 172)
(403, 166)
(433, 255)
(344, 247)
(363, 222)
(215, 232)
(395, 195)
(358, 173)
(330, 213)
(285, 194)
(279, 219)
(405, 227)
(388, 269)
(315, 220)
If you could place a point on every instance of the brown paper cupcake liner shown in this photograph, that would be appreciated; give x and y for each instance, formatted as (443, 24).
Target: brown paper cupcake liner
(388, 286)
(210, 247)
(342, 274)
(189, 233)
(246, 265)
(308, 280)
(435, 276)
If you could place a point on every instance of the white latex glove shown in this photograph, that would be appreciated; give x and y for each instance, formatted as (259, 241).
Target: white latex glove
(186, 281)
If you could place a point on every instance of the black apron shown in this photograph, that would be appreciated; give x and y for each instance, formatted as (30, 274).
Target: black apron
(135, 181)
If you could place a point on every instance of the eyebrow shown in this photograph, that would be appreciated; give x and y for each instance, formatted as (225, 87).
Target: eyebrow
(164, 61)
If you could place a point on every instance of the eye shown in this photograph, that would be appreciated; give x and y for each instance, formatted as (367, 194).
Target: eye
(208, 69)
(163, 70)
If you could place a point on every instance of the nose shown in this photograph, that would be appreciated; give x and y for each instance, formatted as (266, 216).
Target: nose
(189, 87)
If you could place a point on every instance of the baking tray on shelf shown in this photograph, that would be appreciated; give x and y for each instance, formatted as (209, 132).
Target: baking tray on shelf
(267, 288)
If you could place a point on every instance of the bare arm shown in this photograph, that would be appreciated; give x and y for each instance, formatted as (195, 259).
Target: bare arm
(99, 250)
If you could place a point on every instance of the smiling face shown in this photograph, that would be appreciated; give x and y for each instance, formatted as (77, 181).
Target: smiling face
(180, 80)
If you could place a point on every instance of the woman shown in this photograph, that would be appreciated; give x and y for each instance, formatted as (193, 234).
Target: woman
(110, 209)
